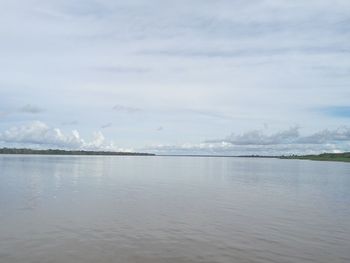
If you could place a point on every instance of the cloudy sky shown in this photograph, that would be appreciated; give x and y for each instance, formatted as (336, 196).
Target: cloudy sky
(185, 76)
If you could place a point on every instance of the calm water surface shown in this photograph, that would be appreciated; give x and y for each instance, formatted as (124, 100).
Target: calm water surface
(64, 209)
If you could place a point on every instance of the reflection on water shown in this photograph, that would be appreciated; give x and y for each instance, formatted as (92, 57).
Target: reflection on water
(166, 209)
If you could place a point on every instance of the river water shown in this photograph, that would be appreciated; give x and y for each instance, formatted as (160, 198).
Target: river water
(84, 209)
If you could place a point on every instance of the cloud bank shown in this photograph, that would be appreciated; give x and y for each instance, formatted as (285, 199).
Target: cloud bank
(286, 142)
(39, 135)
(289, 136)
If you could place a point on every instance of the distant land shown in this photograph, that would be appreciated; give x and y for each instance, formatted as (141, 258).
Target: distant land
(335, 157)
(65, 152)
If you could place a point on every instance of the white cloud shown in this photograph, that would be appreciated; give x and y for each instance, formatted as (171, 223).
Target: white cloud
(341, 134)
(257, 137)
(125, 109)
(106, 125)
(32, 109)
(38, 134)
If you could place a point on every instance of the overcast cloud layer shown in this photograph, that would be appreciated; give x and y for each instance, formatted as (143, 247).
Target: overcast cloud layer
(176, 76)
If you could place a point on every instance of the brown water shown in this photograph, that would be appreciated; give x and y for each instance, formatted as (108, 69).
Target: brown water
(172, 209)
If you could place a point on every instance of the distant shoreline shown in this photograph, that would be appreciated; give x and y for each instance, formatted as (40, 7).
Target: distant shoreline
(334, 157)
(26, 151)
(330, 157)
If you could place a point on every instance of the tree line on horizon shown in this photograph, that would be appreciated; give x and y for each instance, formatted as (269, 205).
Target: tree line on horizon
(66, 152)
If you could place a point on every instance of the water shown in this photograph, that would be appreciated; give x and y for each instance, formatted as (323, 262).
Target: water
(64, 209)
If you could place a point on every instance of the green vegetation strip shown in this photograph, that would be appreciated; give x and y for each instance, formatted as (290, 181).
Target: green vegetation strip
(335, 157)
(64, 152)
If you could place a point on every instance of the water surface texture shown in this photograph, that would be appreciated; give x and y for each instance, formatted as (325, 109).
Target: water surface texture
(67, 209)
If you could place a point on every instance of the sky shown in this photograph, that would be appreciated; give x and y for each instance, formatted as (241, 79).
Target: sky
(230, 77)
